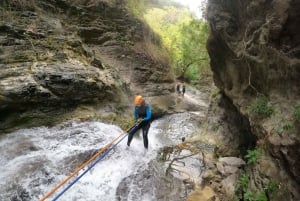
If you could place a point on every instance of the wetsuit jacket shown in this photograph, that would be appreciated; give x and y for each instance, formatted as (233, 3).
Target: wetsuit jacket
(143, 111)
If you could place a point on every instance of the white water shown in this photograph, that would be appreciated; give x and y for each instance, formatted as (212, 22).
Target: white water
(35, 159)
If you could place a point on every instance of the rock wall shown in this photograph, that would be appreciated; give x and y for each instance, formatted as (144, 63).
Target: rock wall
(61, 53)
(255, 55)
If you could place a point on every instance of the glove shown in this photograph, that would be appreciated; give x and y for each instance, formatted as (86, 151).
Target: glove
(139, 120)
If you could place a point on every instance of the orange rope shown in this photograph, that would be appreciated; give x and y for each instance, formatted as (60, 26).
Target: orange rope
(84, 165)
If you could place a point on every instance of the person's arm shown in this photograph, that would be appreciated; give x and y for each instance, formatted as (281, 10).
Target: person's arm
(148, 114)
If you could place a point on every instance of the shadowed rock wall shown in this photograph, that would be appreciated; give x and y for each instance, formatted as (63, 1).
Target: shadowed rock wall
(255, 54)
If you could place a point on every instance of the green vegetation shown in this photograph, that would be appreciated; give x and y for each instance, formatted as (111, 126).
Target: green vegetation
(181, 34)
(243, 190)
(260, 196)
(272, 188)
(280, 129)
(249, 196)
(137, 7)
(243, 182)
(297, 112)
(215, 127)
(288, 126)
(252, 156)
(193, 57)
(261, 107)
(184, 37)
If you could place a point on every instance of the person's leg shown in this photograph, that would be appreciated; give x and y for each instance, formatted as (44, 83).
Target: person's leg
(130, 136)
(131, 133)
(145, 129)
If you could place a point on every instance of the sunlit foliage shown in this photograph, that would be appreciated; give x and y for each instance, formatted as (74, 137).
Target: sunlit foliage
(181, 33)
(185, 38)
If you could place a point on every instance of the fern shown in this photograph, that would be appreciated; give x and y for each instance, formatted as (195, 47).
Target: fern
(261, 107)
(252, 156)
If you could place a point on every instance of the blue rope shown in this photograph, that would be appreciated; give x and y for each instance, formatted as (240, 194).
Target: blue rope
(89, 167)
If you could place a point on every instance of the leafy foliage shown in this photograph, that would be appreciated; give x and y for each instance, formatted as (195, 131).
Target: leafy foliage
(288, 126)
(184, 37)
(272, 188)
(243, 182)
(137, 7)
(297, 112)
(261, 196)
(241, 186)
(252, 156)
(193, 52)
(283, 127)
(244, 193)
(249, 196)
(261, 107)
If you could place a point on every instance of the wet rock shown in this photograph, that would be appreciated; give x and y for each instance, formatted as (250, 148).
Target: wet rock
(232, 161)
(21, 195)
(229, 165)
(225, 170)
(228, 185)
(205, 194)
(151, 183)
(74, 161)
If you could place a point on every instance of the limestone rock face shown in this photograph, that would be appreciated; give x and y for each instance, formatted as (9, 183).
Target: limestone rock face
(58, 83)
(255, 52)
(59, 54)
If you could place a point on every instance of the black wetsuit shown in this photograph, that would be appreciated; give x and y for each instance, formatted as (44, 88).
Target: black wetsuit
(183, 90)
(143, 112)
(178, 88)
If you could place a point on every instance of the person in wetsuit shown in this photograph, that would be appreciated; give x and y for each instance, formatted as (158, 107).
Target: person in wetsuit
(142, 111)
(178, 88)
(183, 90)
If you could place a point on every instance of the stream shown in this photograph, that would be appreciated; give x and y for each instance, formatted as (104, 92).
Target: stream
(33, 161)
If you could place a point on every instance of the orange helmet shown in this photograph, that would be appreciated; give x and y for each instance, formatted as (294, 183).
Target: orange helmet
(138, 100)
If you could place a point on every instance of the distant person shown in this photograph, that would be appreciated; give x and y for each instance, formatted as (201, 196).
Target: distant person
(178, 89)
(143, 112)
(183, 89)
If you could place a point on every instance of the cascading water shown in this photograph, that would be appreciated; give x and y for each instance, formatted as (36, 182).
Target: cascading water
(35, 160)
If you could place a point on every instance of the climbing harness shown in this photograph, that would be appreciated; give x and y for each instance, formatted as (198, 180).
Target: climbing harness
(76, 175)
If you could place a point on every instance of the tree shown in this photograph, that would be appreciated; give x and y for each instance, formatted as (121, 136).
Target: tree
(184, 37)
(193, 53)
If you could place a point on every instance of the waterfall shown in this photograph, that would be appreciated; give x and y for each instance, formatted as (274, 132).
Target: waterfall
(33, 161)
